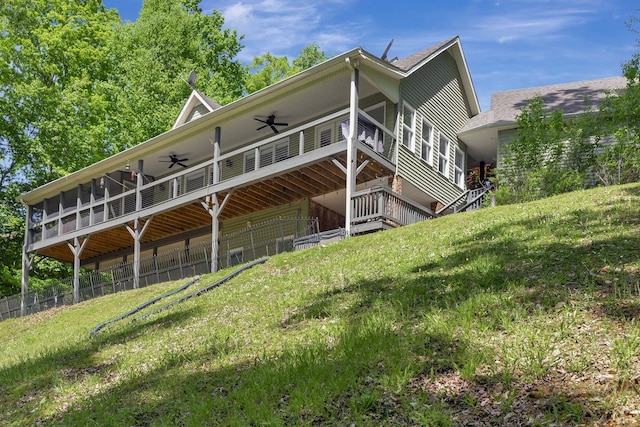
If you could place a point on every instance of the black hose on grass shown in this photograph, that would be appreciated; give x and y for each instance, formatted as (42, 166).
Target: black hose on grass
(206, 288)
(144, 305)
(186, 297)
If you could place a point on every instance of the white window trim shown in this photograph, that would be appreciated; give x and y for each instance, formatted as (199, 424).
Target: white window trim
(444, 156)
(428, 142)
(458, 172)
(409, 128)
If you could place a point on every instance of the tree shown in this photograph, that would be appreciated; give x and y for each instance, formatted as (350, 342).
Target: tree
(77, 85)
(620, 161)
(268, 69)
(155, 55)
(550, 155)
(54, 69)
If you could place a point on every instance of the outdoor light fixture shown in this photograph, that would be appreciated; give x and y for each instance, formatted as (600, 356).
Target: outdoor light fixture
(127, 167)
(102, 182)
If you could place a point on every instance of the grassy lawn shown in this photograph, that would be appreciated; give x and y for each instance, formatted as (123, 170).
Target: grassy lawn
(514, 315)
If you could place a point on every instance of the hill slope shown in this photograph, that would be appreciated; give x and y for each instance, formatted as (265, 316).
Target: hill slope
(515, 315)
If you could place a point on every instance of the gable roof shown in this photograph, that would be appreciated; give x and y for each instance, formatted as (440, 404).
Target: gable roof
(407, 63)
(570, 98)
(195, 100)
(453, 45)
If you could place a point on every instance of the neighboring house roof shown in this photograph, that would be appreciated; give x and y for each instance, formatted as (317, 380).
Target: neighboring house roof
(570, 98)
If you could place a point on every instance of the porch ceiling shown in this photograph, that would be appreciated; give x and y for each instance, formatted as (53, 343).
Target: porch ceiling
(239, 127)
(311, 181)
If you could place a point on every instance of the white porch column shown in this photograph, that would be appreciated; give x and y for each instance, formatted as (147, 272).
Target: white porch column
(351, 149)
(215, 223)
(76, 249)
(137, 232)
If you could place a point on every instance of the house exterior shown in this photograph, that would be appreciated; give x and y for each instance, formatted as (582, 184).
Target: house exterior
(356, 141)
(495, 128)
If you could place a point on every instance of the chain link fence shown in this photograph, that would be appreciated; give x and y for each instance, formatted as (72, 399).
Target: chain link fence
(264, 239)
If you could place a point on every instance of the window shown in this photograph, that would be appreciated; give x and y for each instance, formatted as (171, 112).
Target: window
(443, 156)
(408, 127)
(268, 155)
(273, 153)
(249, 161)
(427, 142)
(458, 173)
(195, 180)
(325, 135)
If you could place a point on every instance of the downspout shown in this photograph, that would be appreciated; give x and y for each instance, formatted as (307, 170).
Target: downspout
(351, 145)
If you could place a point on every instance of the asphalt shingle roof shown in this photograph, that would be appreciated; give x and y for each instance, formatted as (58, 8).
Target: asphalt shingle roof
(412, 60)
(568, 97)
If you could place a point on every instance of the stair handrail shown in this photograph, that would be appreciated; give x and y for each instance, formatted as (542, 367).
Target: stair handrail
(450, 204)
(480, 196)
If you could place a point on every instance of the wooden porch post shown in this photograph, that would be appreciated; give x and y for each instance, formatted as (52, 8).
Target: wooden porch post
(137, 232)
(351, 148)
(76, 249)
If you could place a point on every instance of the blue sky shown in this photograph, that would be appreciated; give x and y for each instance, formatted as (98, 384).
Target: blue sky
(509, 44)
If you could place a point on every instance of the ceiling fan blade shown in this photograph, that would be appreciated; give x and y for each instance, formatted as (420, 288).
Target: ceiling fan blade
(182, 164)
(274, 129)
(171, 165)
(281, 124)
(260, 120)
(261, 127)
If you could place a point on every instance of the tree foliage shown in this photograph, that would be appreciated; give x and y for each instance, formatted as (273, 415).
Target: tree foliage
(78, 85)
(550, 155)
(55, 64)
(620, 160)
(268, 69)
(155, 55)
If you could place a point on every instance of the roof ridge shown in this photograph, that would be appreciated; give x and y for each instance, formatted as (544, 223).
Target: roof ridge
(408, 62)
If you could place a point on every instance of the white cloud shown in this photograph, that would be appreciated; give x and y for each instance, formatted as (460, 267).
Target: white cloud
(529, 24)
(284, 27)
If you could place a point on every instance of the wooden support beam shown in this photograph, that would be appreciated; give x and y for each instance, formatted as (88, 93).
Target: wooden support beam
(76, 249)
(137, 232)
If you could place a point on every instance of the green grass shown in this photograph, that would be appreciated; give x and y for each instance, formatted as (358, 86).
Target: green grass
(515, 315)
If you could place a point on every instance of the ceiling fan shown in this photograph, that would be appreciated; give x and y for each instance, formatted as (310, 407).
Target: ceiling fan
(175, 160)
(271, 122)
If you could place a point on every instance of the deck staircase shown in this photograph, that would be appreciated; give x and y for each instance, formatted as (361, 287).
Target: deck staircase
(470, 200)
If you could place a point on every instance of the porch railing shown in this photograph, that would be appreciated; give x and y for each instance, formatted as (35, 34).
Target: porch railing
(264, 239)
(381, 205)
(316, 135)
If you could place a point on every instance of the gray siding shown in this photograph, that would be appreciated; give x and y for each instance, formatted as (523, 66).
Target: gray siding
(436, 93)
(504, 138)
